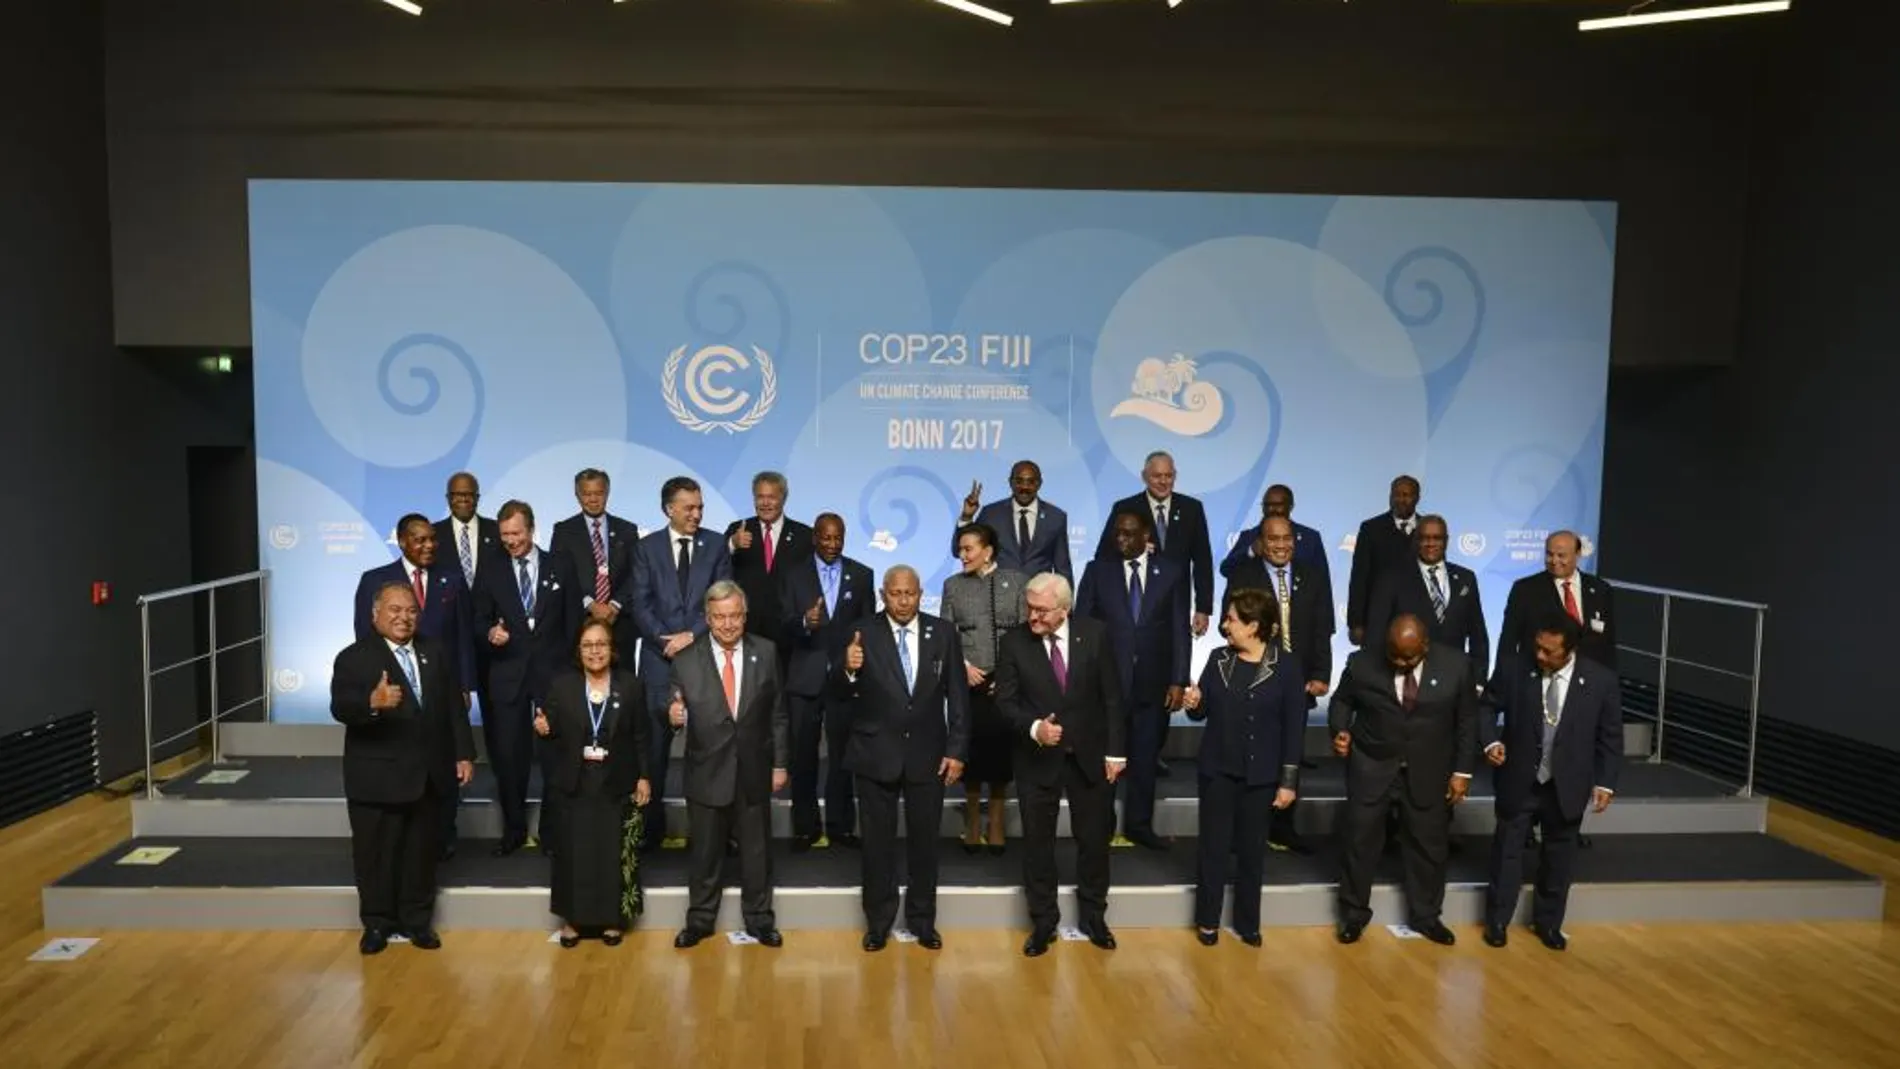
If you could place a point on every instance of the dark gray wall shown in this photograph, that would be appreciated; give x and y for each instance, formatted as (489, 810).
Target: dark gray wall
(1376, 96)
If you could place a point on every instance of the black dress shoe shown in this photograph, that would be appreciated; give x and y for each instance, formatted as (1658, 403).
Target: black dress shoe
(1349, 931)
(1038, 943)
(1495, 935)
(1551, 937)
(929, 939)
(689, 938)
(972, 848)
(425, 939)
(1252, 939)
(569, 942)
(768, 937)
(374, 941)
(996, 849)
(1206, 937)
(801, 844)
(1099, 934)
(1436, 932)
(612, 939)
(1290, 846)
(874, 942)
(1148, 840)
(847, 840)
(508, 845)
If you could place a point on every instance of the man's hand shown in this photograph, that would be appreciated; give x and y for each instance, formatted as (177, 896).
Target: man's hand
(1357, 634)
(742, 538)
(498, 634)
(1455, 790)
(951, 770)
(974, 675)
(1599, 800)
(603, 610)
(972, 502)
(676, 710)
(1048, 732)
(675, 643)
(1191, 698)
(541, 725)
(1112, 769)
(1173, 701)
(1342, 744)
(464, 771)
(642, 792)
(854, 653)
(780, 778)
(1494, 753)
(1317, 688)
(1200, 624)
(815, 616)
(385, 695)
(1284, 797)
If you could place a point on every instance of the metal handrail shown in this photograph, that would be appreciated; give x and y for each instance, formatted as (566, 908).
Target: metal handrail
(1669, 596)
(261, 640)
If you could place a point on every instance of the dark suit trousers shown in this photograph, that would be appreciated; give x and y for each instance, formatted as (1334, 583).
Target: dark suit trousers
(1147, 724)
(923, 818)
(659, 752)
(1424, 842)
(394, 850)
(1552, 889)
(814, 719)
(708, 829)
(1091, 824)
(510, 736)
(1234, 818)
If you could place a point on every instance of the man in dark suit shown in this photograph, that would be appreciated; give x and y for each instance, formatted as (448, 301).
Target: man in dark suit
(901, 679)
(1559, 752)
(474, 541)
(1178, 525)
(528, 610)
(1586, 599)
(1032, 536)
(763, 547)
(1309, 546)
(406, 748)
(598, 547)
(1303, 597)
(673, 568)
(1142, 598)
(1406, 720)
(1383, 542)
(826, 598)
(446, 617)
(1442, 594)
(1057, 683)
(729, 699)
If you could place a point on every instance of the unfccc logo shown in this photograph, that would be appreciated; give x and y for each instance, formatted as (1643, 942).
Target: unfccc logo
(288, 680)
(1471, 543)
(283, 536)
(706, 376)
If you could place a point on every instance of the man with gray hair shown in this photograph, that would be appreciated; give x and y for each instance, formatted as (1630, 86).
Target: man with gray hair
(1179, 525)
(728, 697)
(1058, 683)
(764, 547)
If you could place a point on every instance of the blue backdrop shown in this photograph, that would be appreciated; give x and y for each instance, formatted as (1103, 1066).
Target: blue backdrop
(884, 347)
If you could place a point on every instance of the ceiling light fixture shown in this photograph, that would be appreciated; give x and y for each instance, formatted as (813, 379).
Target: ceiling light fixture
(981, 12)
(408, 6)
(1638, 17)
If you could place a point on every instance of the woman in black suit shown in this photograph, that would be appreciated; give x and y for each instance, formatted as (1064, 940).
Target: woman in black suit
(1253, 697)
(597, 717)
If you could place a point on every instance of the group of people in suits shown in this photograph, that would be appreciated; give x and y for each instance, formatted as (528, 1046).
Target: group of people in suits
(775, 657)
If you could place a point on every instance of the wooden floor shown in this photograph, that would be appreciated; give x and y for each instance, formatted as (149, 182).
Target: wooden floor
(1651, 997)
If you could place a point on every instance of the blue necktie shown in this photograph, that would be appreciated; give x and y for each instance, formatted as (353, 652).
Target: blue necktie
(409, 670)
(1134, 590)
(527, 588)
(1438, 594)
(903, 657)
(828, 578)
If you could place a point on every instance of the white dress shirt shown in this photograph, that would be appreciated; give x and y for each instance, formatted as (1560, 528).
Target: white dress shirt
(1444, 578)
(738, 670)
(474, 531)
(1576, 592)
(1018, 514)
(415, 658)
(673, 537)
(1062, 643)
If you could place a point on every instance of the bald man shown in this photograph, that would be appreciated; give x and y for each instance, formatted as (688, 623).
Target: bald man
(1560, 588)
(1405, 717)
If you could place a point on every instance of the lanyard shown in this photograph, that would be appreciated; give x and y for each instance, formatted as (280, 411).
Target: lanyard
(595, 713)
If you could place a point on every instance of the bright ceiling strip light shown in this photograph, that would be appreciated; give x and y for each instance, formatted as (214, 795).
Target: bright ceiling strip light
(1652, 18)
(409, 6)
(981, 12)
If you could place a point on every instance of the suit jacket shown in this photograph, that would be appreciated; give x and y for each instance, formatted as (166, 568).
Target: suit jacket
(1094, 721)
(1588, 749)
(538, 648)
(1255, 732)
(1048, 550)
(1187, 543)
(447, 613)
(901, 733)
(1309, 549)
(1534, 598)
(488, 549)
(658, 607)
(1378, 548)
(729, 761)
(1402, 590)
(1311, 616)
(1152, 653)
(623, 731)
(763, 611)
(573, 541)
(814, 652)
(1437, 738)
(390, 755)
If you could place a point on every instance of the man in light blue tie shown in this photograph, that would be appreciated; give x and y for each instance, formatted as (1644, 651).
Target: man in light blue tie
(902, 679)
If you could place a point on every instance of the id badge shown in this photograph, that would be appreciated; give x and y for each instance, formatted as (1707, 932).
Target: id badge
(593, 753)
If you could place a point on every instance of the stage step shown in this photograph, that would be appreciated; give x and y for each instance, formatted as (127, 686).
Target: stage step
(302, 884)
(302, 797)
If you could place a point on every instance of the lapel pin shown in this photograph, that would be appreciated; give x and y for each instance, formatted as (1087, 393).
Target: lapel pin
(1431, 682)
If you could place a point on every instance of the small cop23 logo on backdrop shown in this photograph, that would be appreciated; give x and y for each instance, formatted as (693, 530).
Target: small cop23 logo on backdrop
(1471, 543)
(283, 536)
(288, 680)
(1166, 394)
(710, 397)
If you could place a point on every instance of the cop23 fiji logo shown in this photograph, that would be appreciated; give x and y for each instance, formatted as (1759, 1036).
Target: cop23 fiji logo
(710, 397)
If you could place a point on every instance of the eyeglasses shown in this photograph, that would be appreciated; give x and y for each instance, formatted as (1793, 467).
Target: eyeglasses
(597, 645)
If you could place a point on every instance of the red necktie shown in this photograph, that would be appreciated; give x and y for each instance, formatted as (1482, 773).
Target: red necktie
(1570, 602)
(732, 686)
(421, 587)
(767, 529)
